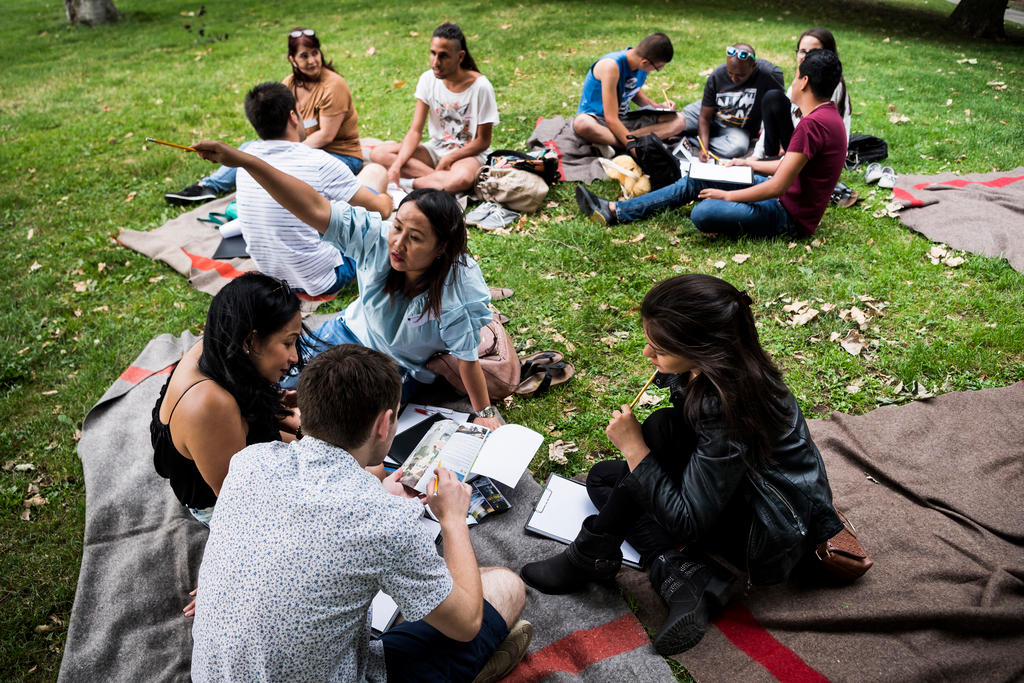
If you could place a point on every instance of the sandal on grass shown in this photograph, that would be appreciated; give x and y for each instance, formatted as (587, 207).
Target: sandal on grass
(549, 376)
(536, 362)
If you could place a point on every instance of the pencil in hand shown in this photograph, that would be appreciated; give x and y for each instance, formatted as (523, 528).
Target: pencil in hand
(637, 399)
(437, 476)
(171, 144)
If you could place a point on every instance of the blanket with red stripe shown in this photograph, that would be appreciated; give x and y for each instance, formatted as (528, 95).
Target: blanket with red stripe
(142, 551)
(187, 245)
(934, 488)
(980, 212)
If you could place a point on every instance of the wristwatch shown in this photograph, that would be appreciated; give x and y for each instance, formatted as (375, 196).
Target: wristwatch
(489, 411)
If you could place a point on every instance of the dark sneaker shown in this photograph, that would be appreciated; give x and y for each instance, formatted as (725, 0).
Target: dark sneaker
(193, 194)
(593, 207)
(508, 655)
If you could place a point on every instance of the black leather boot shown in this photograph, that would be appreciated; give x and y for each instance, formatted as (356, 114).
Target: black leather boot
(591, 557)
(687, 586)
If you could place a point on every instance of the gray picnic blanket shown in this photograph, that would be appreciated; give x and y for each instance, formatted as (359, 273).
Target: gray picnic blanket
(578, 159)
(934, 488)
(982, 213)
(142, 552)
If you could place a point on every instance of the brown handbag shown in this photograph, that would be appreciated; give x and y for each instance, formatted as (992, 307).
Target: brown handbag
(843, 556)
(498, 359)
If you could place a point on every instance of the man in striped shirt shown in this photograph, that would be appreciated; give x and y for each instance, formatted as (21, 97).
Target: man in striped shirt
(279, 243)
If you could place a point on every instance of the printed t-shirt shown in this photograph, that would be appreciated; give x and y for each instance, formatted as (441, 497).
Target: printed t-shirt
(738, 105)
(821, 136)
(301, 540)
(280, 244)
(330, 96)
(396, 325)
(629, 84)
(455, 116)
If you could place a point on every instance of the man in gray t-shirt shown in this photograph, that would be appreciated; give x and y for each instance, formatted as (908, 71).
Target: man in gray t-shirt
(304, 535)
(729, 114)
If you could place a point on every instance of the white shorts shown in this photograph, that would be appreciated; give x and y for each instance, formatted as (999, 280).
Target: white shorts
(436, 152)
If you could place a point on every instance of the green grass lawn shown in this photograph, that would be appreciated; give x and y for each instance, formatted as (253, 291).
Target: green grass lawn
(77, 104)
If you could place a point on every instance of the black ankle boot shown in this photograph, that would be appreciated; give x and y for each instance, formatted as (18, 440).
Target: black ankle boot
(591, 557)
(687, 587)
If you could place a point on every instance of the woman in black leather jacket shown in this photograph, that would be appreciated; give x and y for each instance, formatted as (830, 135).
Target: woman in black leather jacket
(730, 468)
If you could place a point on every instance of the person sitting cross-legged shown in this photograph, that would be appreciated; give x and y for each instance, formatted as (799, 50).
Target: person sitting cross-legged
(458, 105)
(729, 113)
(603, 116)
(788, 199)
(303, 537)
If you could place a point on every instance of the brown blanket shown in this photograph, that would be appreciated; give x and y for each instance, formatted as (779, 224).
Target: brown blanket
(187, 245)
(981, 212)
(577, 158)
(934, 488)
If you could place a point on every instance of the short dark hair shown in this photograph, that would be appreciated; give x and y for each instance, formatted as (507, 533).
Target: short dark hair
(343, 390)
(656, 48)
(267, 107)
(823, 71)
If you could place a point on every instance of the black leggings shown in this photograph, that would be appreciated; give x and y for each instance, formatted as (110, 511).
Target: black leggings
(778, 122)
(619, 514)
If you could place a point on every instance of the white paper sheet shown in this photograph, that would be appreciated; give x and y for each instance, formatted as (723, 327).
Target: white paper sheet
(560, 512)
(507, 453)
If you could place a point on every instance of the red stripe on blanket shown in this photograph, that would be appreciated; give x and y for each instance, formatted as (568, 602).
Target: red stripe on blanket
(134, 374)
(223, 268)
(960, 182)
(553, 146)
(742, 629)
(581, 649)
(905, 196)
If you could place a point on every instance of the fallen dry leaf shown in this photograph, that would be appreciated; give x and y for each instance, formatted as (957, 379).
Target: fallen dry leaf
(371, 51)
(35, 266)
(51, 392)
(31, 232)
(805, 317)
(740, 258)
(719, 264)
(81, 285)
(26, 515)
(953, 261)
(397, 84)
(24, 467)
(636, 238)
(131, 196)
(795, 306)
(853, 343)
(649, 399)
(558, 449)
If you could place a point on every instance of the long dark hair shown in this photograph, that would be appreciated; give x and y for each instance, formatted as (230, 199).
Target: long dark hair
(449, 225)
(251, 302)
(828, 42)
(305, 41)
(450, 31)
(708, 321)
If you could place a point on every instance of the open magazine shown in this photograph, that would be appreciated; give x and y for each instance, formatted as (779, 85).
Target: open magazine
(470, 449)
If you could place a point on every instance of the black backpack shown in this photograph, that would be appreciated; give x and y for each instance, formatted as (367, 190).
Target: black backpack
(545, 164)
(655, 159)
(863, 149)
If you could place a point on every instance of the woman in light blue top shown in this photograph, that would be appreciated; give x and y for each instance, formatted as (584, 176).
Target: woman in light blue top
(420, 292)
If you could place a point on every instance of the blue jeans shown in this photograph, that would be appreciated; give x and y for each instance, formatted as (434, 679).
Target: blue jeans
(766, 218)
(223, 179)
(725, 141)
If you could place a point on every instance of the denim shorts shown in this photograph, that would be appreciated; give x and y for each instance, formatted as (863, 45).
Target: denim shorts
(416, 651)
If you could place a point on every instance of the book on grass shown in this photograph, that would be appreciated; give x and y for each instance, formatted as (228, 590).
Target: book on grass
(733, 175)
(471, 449)
(560, 512)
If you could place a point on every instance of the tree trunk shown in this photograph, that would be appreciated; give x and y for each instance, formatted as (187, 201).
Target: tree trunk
(979, 18)
(91, 12)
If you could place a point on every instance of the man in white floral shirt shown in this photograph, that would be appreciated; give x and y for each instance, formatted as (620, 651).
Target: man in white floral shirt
(303, 537)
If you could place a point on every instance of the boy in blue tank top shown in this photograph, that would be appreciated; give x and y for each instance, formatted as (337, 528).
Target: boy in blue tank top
(613, 82)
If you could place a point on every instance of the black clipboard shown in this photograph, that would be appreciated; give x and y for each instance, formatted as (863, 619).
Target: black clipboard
(231, 247)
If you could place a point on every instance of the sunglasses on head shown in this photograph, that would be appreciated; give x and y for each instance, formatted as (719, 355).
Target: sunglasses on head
(302, 32)
(732, 51)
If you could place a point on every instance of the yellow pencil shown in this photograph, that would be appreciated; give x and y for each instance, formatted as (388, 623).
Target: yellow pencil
(643, 390)
(440, 465)
(170, 144)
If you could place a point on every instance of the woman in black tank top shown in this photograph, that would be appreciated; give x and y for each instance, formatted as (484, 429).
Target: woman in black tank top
(225, 389)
